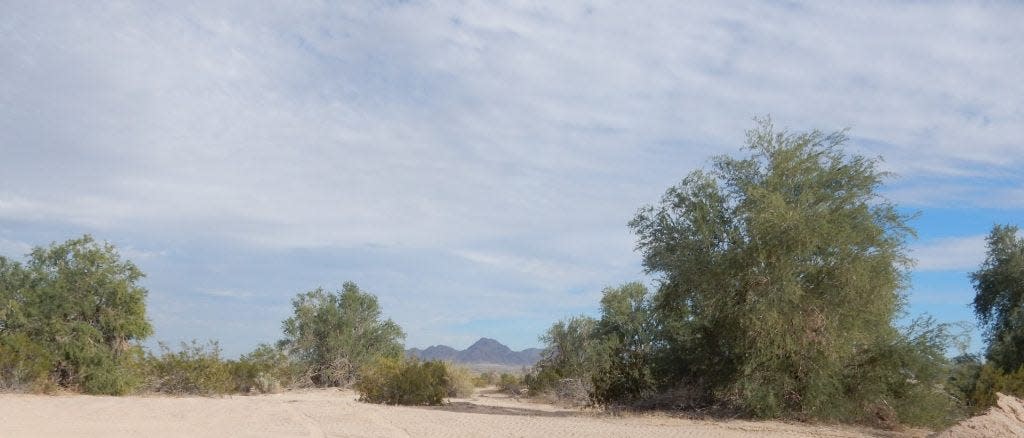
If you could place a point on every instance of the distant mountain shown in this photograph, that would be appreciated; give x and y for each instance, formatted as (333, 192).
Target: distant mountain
(484, 351)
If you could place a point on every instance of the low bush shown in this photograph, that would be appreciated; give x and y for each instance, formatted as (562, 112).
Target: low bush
(195, 369)
(485, 379)
(991, 380)
(265, 370)
(511, 383)
(461, 381)
(404, 382)
(24, 365)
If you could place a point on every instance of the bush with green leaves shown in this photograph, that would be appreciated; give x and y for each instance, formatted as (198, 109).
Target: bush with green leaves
(334, 335)
(991, 380)
(80, 303)
(485, 379)
(24, 365)
(194, 369)
(573, 350)
(999, 299)
(265, 370)
(461, 381)
(404, 382)
(781, 277)
(628, 333)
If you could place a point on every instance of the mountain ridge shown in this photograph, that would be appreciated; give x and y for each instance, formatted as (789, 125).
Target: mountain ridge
(483, 351)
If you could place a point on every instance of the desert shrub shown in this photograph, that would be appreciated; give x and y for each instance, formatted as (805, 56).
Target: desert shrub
(461, 381)
(24, 365)
(485, 379)
(627, 335)
(999, 299)
(782, 275)
(403, 382)
(265, 370)
(573, 350)
(334, 335)
(81, 303)
(992, 379)
(195, 369)
(962, 379)
(511, 383)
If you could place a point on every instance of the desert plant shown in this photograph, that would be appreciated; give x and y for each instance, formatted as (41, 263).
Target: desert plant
(194, 369)
(999, 302)
(265, 370)
(24, 365)
(461, 381)
(485, 379)
(403, 382)
(628, 335)
(573, 350)
(782, 275)
(334, 335)
(82, 304)
(992, 379)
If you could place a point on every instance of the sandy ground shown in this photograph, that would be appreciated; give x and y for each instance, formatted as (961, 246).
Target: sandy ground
(333, 413)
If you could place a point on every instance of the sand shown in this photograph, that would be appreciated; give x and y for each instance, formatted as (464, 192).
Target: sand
(334, 413)
(1005, 419)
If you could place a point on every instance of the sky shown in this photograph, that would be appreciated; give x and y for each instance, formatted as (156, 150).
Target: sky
(473, 164)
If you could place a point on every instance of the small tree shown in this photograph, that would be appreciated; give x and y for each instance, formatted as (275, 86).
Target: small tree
(573, 352)
(82, 303)
(334, 335)
(999, 302)
(782, 274)
(630, 335)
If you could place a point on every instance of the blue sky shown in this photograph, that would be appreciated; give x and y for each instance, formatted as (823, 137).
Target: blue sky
(474, 164)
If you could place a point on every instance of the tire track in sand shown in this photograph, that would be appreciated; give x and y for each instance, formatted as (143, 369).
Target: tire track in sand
(314, 429)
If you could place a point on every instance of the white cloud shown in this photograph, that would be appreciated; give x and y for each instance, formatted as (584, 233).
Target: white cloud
(523, 135)
(226, 293)
(13, 248)
(950, 254)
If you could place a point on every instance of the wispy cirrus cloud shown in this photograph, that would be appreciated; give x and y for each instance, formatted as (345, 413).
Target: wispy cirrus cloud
(521, 135)
(950, 254)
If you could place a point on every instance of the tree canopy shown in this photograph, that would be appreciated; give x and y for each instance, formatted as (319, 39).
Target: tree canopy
(336, 334)
(781, 273)
(80, 303)
(999, 302)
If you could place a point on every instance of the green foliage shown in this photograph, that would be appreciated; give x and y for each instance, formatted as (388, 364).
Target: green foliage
(629, 335)
(461, 381)
(403, 382)
(781, 276)
(962, 379)
(510, 383)
(24, 365)
(999, 302)
(485, 379)
(82, 304)
(195, 369)
(573, 350)
(265, 370)
(334, 335)
(902, 379)
(992, 379)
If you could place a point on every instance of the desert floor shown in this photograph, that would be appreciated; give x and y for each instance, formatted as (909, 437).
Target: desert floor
(334, 413)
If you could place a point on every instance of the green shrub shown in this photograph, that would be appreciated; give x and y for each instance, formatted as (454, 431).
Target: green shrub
(461, 382)
(511, 383)
(991, 379)
(485, 379)
(265, 370)
(24, 365)
(334, 335)
(195, 369)
(79, 306)
(403, 382)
